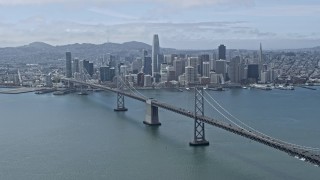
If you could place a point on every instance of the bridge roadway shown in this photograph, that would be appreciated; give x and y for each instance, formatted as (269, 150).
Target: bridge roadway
(307, 155)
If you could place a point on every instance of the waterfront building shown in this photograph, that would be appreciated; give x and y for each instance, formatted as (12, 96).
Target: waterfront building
(253, 72)
(140, 79)
(147, 81)
(214, 77)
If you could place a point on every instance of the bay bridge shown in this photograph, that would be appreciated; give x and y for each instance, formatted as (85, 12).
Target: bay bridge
(307, 154)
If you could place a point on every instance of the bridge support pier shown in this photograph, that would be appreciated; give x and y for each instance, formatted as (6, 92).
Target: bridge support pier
(152, 115)
(120, 103)
(199, 131)
(120, 97)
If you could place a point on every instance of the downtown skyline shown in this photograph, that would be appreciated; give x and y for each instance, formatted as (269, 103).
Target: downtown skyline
(239, 24)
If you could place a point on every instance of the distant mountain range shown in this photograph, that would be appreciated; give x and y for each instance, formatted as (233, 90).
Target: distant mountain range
(38, 52)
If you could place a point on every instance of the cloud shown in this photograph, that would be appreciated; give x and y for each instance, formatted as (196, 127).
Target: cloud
(176, 3)
(108, 12)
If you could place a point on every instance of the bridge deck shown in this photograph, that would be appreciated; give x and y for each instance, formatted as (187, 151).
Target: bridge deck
(309, 156)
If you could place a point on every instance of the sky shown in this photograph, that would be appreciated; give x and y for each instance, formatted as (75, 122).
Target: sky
(181, 24)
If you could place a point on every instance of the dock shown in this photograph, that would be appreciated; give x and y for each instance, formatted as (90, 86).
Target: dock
(18, 90)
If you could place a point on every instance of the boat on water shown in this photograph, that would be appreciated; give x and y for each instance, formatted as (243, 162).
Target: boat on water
(188, 89)
(44, 91)
(283, 87)
(83, 93)
(58, 93)
(261, 86)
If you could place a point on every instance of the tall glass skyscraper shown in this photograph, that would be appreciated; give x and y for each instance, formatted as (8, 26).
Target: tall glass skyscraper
(155, 53)
(222, 52)
(68, 65)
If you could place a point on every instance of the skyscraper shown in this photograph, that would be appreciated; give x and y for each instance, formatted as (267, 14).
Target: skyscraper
(203, 58)
(68, 65)
(260, 61)
(234, 70)
(178, 67)
(155, 52)
(222, 52)
(147, 66)
(221, 67)
(205, 69)
(253, 72)
(189, 74)
(75, 65)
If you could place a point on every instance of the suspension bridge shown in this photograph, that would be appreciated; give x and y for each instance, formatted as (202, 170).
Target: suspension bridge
(236, 126)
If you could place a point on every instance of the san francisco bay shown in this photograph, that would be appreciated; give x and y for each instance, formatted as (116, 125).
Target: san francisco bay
(81, 137)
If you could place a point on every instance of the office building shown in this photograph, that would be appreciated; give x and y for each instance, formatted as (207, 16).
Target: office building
(68, 65)
(234, 70)
(147, 66)
(221, 66)
(205, 69)
(147, 81)
(190, 74)
(253, 72)
(222, 52)
(155, 53)
(75, 65)
(203, 58)
(107, 73)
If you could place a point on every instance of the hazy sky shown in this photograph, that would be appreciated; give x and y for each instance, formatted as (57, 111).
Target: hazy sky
(183, 24)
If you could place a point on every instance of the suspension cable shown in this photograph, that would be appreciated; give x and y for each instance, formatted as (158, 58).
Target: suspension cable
(284, 142)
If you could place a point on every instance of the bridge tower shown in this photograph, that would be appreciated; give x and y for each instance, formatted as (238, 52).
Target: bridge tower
(120, 97)
(199, 131)
(152, 115)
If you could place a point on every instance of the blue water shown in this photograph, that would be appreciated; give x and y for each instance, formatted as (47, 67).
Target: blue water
(81, 137)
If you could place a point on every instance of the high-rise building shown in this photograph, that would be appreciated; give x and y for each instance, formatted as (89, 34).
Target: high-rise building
(164, 72)
(221, 67)
(140, 80)
(213, 64)
(160, 60)
(171, 73)
(178, 66)
(147, 66)
(193, 62)
(90, 69)
(234, 70)
(147, 80)
(253, 72)
(189, 74)
(107, 73)
(75, 65)
(222, 52)
(203, 58)
(68, 65)
(155, 53)
(205, 69)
